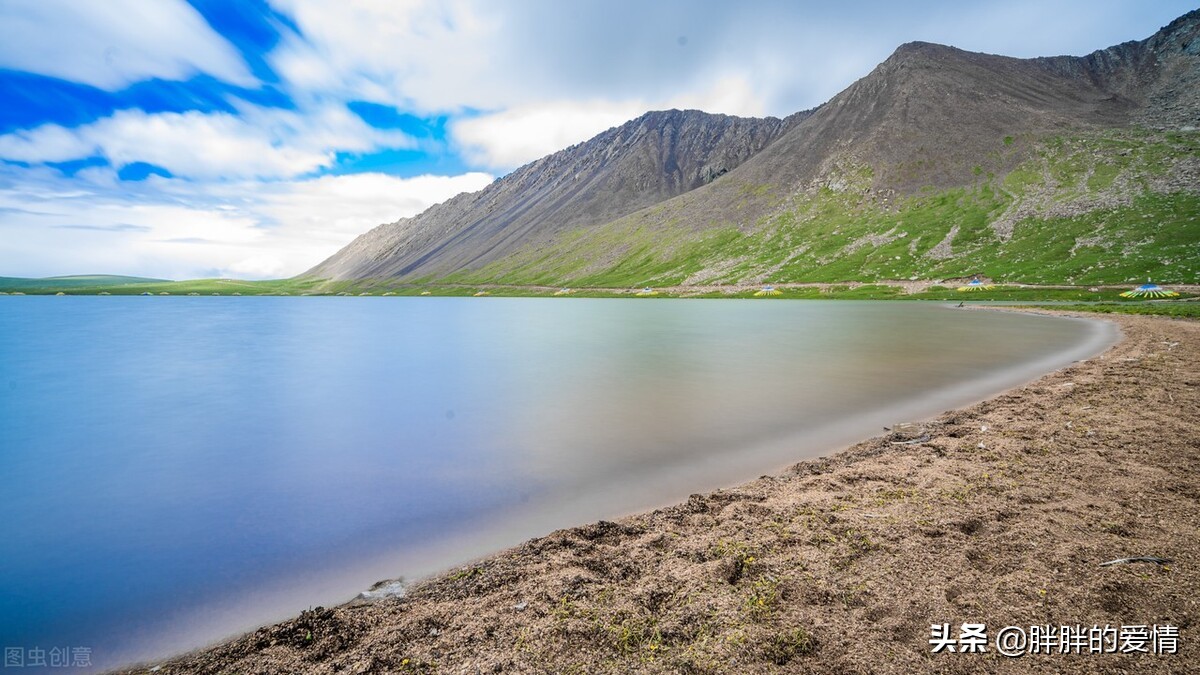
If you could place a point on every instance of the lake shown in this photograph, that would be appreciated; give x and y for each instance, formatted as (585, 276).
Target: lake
(174, 470)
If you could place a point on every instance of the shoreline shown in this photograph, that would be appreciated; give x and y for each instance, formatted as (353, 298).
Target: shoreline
(840, 563)
(878, 289)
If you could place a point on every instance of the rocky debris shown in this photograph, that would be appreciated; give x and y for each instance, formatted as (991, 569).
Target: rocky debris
(390, 588)
(875, 240)
(944, 249)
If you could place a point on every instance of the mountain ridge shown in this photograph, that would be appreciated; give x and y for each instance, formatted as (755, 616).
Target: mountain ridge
(625, 168)
(929, 117)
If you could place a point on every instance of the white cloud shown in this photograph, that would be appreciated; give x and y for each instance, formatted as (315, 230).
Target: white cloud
(730, 94)
(264, 266)
(113, 43)
(513, 137)
(259, 142)
(427, 55)
(447, 56)
(509, 138)
(181, 229)
(450, 55)
(549, 75)
(332, 210)
(47, 143)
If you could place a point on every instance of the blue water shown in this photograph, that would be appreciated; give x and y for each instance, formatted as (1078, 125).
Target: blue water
(176, 469)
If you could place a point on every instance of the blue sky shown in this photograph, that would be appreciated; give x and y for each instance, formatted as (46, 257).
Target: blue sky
(253, 139)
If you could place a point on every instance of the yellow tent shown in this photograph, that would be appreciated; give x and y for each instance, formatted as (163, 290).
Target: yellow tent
(1149, 290)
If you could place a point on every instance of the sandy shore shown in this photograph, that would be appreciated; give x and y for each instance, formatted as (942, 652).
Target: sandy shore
(1000, 513)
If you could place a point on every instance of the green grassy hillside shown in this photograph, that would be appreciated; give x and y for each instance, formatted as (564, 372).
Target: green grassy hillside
(76, 281)
(115, 285)
(1096, 213)
(1110, 208)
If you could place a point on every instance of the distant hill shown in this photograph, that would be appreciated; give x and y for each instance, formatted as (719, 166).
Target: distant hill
(96, 284)
(939, 163)
(79, 280)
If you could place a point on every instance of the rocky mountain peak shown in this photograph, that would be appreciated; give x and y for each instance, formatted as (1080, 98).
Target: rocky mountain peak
(638, 164)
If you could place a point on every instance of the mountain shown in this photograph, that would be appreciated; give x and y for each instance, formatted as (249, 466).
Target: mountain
(638, 164)
(74, 281)
(939, 163)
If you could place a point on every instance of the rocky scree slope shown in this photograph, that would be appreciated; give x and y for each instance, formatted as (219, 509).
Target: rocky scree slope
(640, 163)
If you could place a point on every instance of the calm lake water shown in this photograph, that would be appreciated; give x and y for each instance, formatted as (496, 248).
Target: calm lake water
(174, 470)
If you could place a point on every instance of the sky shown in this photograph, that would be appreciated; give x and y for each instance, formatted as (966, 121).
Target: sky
(188, 139)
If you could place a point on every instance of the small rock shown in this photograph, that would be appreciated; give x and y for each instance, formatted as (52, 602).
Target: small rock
(392, 588)
(520, 606)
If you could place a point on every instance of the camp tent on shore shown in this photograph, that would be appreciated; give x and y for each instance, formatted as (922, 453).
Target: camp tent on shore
(1149, 290)
(976, 285)
(646, 292)
(768, 292)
